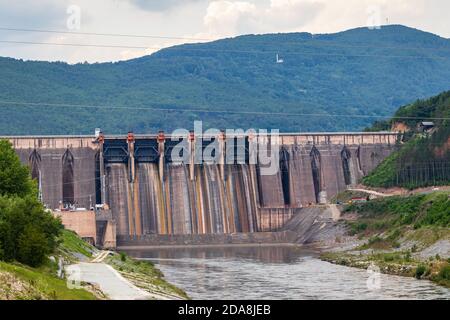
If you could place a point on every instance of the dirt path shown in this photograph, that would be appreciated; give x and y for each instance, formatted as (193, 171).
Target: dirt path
(375, 193)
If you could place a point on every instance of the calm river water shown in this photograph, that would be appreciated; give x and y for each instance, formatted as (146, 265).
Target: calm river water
(277, 273)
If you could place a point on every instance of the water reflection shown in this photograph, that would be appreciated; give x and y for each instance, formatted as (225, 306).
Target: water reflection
(266, 254)
(284, 272)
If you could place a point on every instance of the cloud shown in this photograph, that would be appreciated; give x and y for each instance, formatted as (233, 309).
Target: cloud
(162, 5)
(227, 18)
(29, 14)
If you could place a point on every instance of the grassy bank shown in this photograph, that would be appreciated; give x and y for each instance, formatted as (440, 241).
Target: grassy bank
(19, 282)
(145, 275)
(142, 274)
(407, 236)
(73, 249)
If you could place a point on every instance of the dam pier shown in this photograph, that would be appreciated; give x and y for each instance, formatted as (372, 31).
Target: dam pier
(156, 189)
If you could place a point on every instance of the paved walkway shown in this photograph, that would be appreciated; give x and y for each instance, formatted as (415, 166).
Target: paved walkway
(109, 280)
(101, 256)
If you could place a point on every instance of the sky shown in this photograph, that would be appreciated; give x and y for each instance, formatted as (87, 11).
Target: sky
(168, 22)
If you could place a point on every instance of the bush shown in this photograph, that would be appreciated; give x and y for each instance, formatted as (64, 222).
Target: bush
(123, 257)
(358, 227)
(14, 177)
(32, 246)
(1, 251)
(28, 233)
(444, 273)
(420, 271)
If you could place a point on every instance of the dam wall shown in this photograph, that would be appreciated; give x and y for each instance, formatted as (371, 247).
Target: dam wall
(149, 191)
(64, 167)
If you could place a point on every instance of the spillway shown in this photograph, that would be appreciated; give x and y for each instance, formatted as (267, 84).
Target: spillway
(177, 204)
(237, 199)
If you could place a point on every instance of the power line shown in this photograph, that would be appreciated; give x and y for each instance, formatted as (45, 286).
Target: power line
(260, 113)
(313, 41)
(105, 34)
(184, 48)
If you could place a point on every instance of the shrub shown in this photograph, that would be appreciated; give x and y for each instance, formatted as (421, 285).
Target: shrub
(14, 177)
(408, 256)
(444, 273)
(420, 271)
(32, 246)
(358, 227)
(123, 257)
(28, 233)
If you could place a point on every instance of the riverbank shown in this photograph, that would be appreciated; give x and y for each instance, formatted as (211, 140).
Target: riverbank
(78, 271)
(401, 235)
(117, 275)
(20, 282)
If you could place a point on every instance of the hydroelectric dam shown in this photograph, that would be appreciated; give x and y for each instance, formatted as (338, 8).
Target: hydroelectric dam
(148, 188)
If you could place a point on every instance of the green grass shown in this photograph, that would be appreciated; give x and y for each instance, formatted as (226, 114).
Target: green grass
(36, 284)
(388, 213)
(71, 244)
(423, 219)
(443, 277)
(144, 274)
(424, 159)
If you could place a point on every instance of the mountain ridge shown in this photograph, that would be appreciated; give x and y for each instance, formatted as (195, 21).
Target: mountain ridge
(356, 72)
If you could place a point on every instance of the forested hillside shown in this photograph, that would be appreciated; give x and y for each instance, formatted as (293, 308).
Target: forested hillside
(359, 72)
(424, 159)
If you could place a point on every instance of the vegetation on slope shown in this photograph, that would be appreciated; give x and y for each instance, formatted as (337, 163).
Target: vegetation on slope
(388, 213)
(424, 159)
(357, 72)
(20, 282)
(73, 248)
(408, 236)
(145, 275)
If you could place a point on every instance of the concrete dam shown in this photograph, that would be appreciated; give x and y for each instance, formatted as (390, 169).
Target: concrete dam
(149, 191)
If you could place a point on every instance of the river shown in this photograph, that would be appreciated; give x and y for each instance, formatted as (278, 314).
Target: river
(281, 272)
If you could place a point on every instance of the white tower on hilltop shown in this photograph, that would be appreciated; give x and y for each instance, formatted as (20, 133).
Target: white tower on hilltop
(279, 60)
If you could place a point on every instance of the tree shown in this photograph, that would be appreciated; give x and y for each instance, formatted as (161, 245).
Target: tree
(28, 233)
(32, 246)
(15, 178)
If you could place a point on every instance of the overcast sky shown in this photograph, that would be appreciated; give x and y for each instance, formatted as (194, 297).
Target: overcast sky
(193, 19)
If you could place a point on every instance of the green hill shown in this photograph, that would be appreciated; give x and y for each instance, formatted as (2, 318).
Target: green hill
(358, 72)
(424, 159)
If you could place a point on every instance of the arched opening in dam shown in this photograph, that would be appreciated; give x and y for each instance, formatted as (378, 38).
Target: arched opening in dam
(68, 184)
(358, 158)
(34, 163)
(316, 167)
(98, 182)
(285, 180)
(346, 166)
